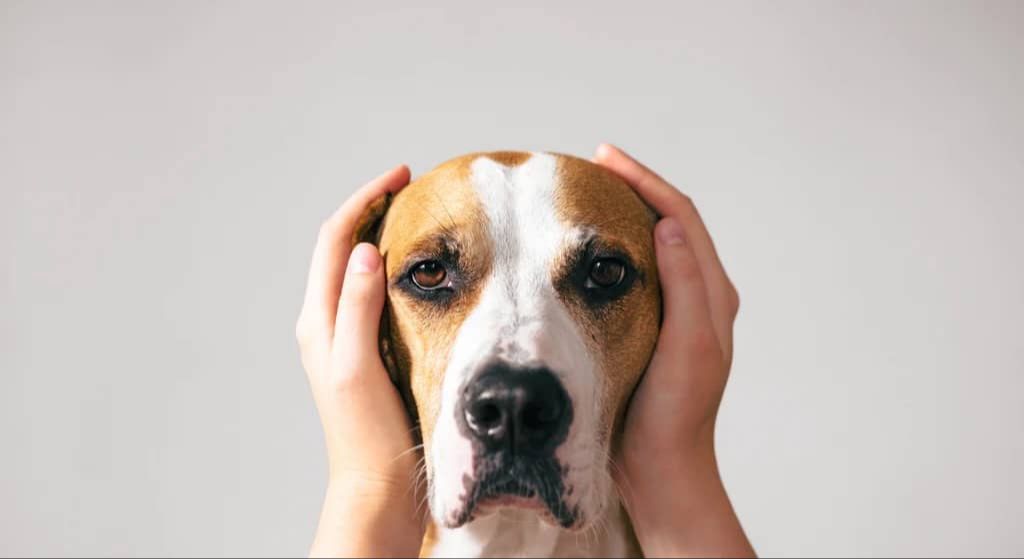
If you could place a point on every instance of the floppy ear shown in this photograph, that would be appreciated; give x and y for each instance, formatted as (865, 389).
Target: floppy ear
(368, 230)
(369, 225)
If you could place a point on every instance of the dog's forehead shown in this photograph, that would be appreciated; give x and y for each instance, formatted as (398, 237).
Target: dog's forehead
(591, 196)
(467, 194)
(441, 201)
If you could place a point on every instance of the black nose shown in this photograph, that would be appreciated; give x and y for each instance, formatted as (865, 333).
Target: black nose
(525, 410)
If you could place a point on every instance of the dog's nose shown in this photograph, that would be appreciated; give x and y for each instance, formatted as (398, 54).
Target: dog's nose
(525, 410)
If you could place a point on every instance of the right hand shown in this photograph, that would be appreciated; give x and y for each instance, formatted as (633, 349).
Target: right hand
(370, 508)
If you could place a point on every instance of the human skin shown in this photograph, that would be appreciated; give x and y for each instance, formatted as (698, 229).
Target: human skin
(667, 465)
(370, 508)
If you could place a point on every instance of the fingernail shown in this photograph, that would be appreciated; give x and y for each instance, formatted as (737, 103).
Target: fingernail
(364, 259)
(603, 151)
(670, 232)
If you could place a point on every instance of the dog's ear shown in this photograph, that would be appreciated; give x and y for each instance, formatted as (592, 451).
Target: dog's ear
(370, 223)
(368, 230)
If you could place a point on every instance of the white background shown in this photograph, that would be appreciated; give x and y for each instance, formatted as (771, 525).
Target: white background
(164, 168)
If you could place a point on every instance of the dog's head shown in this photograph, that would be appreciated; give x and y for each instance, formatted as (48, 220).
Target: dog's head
(523, 308)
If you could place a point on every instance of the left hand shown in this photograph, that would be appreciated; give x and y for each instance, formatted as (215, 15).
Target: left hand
(669, 473)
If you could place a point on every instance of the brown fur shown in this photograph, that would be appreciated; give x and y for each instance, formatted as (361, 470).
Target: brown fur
(442, 202)
(625, 332)
(417, 337)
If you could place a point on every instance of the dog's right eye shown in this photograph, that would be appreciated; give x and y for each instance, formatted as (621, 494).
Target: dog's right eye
(429, 275)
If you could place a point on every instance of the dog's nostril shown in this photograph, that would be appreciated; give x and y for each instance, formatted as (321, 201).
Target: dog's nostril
(537, 415)
(484, 414)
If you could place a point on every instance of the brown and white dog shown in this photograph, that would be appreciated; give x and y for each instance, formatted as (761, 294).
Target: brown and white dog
(523, 306)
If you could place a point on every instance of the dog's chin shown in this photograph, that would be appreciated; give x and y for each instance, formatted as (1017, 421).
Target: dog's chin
(540, 495)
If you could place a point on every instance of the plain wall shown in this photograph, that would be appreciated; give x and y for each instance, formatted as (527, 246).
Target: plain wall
(164, 168)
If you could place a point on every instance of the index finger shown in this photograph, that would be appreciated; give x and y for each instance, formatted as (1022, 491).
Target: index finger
(330, 257)
(668, 201)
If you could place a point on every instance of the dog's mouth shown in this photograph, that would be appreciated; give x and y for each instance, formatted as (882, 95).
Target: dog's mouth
(538, 487)
(512, 493)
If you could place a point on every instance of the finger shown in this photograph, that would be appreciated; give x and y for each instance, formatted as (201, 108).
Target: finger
(330, 256)
(687, 332)
(668, 201)
(655, 190)
(359, 309)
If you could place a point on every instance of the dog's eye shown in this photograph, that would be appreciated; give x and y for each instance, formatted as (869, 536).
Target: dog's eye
(606, 272)
(429, 275)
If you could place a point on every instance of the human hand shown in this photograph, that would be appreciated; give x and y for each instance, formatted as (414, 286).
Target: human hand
(668, 468)
(370, 508)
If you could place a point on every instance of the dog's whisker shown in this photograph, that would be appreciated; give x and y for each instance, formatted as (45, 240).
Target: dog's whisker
(591, 536)
(419, 477)
(625, 492)
(424, 501)
(406, 452)
(444, 228)
(422, 478)
(445, 208)
(599, 224)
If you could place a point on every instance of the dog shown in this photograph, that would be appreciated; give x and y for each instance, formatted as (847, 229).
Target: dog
(522, 308)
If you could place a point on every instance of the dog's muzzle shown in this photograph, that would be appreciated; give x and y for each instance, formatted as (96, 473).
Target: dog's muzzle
(515, 417)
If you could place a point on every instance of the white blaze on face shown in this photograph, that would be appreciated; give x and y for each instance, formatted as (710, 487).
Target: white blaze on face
(520, 319)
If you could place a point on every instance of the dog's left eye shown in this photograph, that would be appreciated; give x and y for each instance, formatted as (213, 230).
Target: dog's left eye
(606, 273)
(429, 275)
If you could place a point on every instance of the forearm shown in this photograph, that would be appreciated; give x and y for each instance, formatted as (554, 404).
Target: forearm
(685, 512)
(365, 522)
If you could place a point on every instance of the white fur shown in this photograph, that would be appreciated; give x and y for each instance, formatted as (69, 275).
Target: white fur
(521, 319)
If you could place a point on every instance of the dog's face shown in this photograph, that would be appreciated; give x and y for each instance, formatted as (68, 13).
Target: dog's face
(523, 308)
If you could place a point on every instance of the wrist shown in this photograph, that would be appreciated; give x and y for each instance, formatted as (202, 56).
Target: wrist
(373, 500)
(368, 486)
(670, 480)
(677, 500)
(657, 461)
(369, 517)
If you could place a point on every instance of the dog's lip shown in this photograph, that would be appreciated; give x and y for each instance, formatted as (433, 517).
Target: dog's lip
(512, 493)
(518, 483)
(507, 493)
(488, 504)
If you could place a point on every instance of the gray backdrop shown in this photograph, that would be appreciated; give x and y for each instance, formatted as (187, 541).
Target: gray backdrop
(165, 167)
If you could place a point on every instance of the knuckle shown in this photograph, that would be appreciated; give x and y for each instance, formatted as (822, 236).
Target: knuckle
(685, 205)
(341, 382)
(329, 227)
(302, 330)
(345, 376)
(703, 344)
